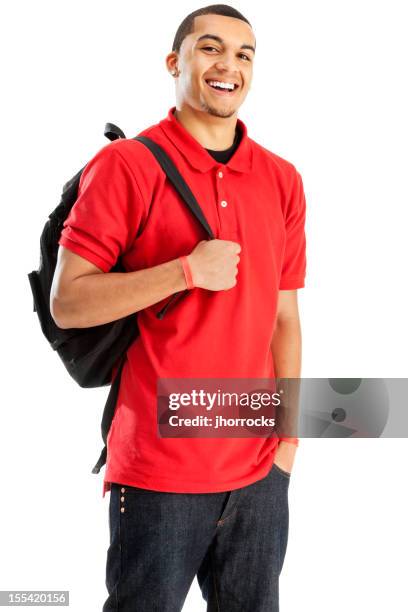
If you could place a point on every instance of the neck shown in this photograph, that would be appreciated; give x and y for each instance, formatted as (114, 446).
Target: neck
(215, 133)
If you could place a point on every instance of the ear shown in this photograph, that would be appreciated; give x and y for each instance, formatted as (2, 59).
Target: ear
(171, 62)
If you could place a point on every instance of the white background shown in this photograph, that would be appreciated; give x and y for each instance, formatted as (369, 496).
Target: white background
(329, 94)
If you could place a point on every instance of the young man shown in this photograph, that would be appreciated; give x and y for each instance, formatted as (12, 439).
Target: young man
(215, 508)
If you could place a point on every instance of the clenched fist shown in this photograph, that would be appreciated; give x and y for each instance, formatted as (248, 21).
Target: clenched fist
(214, 264)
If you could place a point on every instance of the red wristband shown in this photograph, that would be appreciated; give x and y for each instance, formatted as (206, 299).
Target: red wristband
(294, 441)
(187, 272)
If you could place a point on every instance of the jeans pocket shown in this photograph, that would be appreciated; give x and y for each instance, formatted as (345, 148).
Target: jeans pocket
(281, 471)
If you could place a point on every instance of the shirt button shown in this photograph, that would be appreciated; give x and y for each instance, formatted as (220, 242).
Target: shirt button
(220, 174)
(224, 203)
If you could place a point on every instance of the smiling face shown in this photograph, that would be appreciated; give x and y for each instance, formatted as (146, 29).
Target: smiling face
(215, 65)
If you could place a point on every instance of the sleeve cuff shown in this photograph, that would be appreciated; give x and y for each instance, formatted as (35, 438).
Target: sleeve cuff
(294, 282)
(82, 251)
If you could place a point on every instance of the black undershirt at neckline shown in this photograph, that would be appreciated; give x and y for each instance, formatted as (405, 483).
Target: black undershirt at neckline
(224, 156)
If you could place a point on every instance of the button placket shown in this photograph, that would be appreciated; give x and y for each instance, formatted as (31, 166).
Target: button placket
(122, 499)
(226, 211)
(220, 188)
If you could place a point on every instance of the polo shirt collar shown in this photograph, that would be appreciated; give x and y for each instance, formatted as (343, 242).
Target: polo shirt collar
(196, 154)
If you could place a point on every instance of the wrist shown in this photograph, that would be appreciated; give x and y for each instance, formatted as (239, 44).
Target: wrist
(285, 455)
(294, 441)
(188, 274)
(180, 279)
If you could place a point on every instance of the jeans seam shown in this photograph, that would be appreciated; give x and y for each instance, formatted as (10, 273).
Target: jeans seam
(214, 580)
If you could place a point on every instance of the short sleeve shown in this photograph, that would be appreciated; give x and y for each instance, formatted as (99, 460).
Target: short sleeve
(104, 220)
(294, 261)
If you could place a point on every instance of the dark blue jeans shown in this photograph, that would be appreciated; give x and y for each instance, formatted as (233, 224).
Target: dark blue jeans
(234, 542)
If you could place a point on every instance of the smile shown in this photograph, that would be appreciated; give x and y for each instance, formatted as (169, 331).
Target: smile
(221, 88)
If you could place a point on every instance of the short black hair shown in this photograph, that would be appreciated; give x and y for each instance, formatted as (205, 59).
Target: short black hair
(187, 25)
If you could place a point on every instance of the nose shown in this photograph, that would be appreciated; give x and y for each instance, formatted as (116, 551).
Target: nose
(227, 62)
(227, 71)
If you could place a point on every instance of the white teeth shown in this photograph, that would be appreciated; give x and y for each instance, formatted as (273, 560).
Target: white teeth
(229, 86)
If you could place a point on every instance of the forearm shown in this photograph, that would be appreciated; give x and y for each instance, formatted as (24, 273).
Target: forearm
(94, 299)
(286, 349)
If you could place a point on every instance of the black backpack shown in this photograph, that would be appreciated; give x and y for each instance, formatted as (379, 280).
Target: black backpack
(91, 354)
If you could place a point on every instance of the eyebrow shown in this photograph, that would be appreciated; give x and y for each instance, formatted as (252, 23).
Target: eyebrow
(219, 39)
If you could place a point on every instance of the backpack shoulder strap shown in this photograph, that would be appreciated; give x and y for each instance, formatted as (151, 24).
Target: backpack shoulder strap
(108, 413)
(186, 194)
(177, 181)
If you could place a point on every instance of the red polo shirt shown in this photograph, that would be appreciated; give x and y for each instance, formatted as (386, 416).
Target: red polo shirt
(126, 206)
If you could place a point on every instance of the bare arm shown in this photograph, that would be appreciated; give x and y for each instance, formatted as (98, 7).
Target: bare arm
(287, 342)
(82, 295)
(286, 350)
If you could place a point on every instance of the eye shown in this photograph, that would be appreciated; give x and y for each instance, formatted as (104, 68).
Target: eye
(246, 56)
(209, 47)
